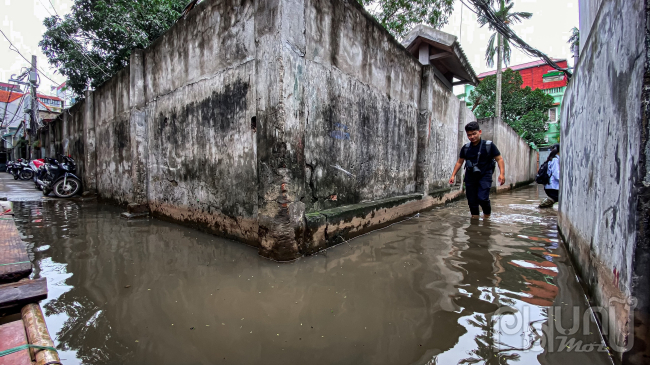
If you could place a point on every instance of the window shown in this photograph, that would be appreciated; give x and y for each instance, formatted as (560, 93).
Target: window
(552, 115)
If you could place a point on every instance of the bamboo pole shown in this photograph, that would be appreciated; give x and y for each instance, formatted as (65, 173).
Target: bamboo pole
(37, 334)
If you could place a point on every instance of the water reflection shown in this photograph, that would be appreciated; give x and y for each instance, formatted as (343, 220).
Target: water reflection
(429, 290)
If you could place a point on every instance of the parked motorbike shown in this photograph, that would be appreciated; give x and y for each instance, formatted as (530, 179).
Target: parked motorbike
(37, 166)
(13, 165)
(22, 171)
(59, 176)
(10, 165)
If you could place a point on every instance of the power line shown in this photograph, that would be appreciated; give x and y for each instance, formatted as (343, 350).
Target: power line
(46, 9)
(503, 29)
(16, 112)
(8, 101)
(468, 7)
(53, 8)
(15, 49)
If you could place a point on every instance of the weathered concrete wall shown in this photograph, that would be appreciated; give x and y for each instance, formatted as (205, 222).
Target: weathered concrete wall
(110, 115)
(588, 9)
(439, 118)
(194, 125)
(604, 195)
(361, 98)
(287, 124)
(173, 130)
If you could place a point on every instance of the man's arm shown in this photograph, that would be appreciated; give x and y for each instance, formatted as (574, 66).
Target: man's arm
(502, 169)
(459, 163)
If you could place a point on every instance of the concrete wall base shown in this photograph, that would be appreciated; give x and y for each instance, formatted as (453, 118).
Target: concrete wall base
(331, 227)
(601, 287)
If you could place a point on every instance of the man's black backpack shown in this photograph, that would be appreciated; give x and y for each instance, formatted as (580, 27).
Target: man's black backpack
(542, 174)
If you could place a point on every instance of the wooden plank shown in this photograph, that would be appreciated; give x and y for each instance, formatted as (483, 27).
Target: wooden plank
(23, 292)
(13, 335)
(439, 56)
(14, 262)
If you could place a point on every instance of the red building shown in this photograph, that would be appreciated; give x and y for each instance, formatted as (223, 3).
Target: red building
(533, 73)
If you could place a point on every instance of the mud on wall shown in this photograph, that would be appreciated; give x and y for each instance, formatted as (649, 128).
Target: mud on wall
(196, 121)
(361, 99)
(603, 213)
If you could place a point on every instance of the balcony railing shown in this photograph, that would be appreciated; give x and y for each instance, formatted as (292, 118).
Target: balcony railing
(555, 90)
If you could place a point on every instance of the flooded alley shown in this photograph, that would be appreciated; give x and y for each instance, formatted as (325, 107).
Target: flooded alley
(434, 289)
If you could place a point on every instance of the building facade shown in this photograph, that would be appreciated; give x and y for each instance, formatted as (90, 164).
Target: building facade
(15, 108)
(537, 75)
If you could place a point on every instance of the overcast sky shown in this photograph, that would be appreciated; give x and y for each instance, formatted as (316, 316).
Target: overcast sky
(22, 22)
(548, 30)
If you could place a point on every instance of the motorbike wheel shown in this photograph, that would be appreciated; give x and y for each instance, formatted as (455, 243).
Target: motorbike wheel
(70, 188)
(15, 176)
(26, 174)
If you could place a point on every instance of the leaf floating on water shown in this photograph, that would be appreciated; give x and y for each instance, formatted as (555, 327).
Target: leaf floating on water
(127, 286)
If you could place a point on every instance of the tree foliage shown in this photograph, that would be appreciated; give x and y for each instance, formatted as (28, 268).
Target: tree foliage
(505, 14)
(96, 38)
(400, 16)
(574, 40)
(525, 110)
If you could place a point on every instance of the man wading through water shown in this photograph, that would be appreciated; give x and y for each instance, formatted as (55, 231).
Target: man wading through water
(479, 157)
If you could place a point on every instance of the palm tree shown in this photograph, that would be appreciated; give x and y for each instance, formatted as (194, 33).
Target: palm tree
(574, 41)
(502, 50)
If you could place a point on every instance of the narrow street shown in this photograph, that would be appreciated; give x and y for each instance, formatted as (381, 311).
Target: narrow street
(429, 290)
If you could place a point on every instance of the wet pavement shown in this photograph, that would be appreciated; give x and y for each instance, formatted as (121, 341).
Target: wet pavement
(435, 289)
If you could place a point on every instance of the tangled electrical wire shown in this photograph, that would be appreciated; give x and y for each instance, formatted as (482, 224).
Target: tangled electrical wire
(482, 6)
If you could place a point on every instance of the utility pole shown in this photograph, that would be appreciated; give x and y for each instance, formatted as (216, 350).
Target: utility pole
(499, 76)
(33, 81)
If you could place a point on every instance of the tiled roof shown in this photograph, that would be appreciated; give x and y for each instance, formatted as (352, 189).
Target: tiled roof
(523, 66)
(8, 97)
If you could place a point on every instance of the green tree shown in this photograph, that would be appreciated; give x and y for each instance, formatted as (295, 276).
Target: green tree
(524, 109)
(574, 41)
(400, 16)
(96, 38)
(502, 49)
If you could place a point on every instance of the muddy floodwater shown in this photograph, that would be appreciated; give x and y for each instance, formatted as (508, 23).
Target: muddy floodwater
(435, 289)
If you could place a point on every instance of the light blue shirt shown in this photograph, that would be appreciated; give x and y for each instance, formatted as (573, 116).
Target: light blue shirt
(554, 173)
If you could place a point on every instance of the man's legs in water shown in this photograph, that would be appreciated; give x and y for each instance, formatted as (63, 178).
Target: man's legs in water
(483, 194)
(471, 191)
